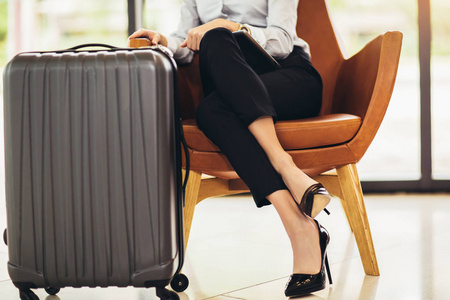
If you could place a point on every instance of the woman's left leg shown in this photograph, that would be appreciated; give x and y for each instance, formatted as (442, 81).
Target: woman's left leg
(231, 104)
(302, 232)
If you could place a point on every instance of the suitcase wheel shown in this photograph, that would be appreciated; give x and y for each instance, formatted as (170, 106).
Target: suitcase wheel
(179, 283)
(174, 296)
(52, 291)
(165, 294)
(27, 295)
(5, 237)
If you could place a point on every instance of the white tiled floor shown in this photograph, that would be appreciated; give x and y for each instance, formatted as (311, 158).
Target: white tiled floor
(239, 252)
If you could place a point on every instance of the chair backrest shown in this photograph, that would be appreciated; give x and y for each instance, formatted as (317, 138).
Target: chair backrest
(315, 27)
(361, 85)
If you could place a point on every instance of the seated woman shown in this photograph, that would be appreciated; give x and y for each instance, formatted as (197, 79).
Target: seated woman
(241, 107)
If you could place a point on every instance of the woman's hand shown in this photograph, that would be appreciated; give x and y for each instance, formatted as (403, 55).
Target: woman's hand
(154, 37)
(196, 34)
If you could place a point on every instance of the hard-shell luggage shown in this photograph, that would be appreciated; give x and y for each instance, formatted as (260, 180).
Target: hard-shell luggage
(93, 170)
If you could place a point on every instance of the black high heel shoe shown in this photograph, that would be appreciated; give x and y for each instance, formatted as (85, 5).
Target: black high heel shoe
(314, 200)
(303, 284)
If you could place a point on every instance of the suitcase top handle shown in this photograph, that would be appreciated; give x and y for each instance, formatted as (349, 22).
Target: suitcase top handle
(158, 47)
(110, 48)
(92, 45)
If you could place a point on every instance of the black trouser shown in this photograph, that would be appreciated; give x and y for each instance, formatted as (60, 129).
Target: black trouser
(235, 96)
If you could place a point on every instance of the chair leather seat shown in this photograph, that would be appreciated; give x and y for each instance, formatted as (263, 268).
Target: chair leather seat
(307, 133)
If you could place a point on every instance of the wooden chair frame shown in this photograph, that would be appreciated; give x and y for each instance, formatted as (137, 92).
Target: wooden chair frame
(360, 85)
(381, 56)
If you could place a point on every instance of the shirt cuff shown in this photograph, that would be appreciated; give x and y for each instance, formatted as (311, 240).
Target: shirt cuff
(181, 55)
(172, 44)
(259, 35)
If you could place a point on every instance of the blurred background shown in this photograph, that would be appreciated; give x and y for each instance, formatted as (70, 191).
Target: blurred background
(401, 158)
(411, 153)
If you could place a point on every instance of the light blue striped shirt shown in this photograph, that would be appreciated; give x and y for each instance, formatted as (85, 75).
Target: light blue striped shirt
(272, 23)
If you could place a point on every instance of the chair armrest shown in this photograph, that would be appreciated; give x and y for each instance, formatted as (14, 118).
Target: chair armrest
(365, 85)
(190, 88)
(140, 42)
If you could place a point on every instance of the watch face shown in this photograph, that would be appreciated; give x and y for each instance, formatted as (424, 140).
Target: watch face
(246, 28)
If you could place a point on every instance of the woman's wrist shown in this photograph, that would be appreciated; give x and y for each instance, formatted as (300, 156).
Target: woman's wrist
(164, 41)
(230, 25)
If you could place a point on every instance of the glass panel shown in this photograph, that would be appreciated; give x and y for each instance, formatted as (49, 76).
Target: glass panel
(162, 16)
(395, 151)
(58, 24)
(440, 88)
(3, 31)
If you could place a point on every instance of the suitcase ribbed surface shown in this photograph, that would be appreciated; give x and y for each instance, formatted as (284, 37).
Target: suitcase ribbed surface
(91, 171)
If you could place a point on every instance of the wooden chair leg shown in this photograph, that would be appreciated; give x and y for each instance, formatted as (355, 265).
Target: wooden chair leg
(192, 189)
(347, 213)
(330, 181)
(352, 195)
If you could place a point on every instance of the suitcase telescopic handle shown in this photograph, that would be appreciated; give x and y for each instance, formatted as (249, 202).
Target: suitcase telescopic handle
(92, 45)
(188, 162)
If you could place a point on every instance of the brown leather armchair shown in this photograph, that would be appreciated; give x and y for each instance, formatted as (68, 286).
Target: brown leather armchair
(356, 94)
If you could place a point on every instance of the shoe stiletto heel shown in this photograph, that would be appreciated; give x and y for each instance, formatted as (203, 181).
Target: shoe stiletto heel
(327, 266)
(314, 200)
(303, 284)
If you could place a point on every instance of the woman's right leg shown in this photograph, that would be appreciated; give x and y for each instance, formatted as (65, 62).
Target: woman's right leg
(250, 161)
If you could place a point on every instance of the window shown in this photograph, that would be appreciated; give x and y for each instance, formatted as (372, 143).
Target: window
(162, 16)
(440, 89)
(3, 31)
(397, 143)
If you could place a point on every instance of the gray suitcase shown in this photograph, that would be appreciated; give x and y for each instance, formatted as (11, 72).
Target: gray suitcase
(93, 170)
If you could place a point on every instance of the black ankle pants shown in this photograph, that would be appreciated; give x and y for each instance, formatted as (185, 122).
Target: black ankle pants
(235, 96)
